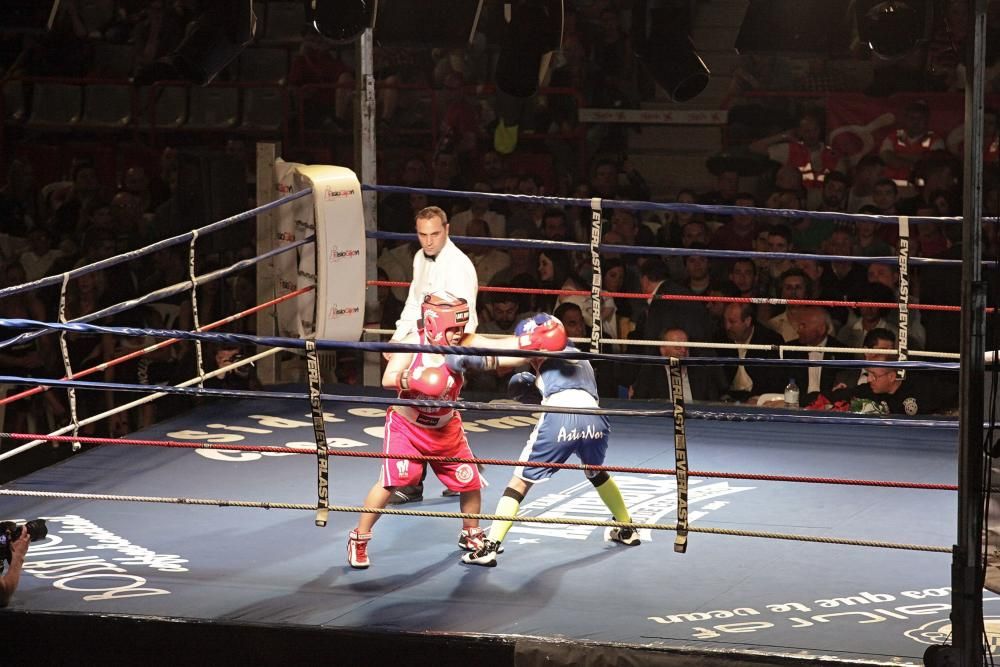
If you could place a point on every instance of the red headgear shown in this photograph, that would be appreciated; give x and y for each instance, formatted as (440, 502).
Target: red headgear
(440, 312)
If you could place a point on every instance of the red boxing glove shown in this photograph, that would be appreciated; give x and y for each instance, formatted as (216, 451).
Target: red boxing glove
(549, 336)
(427, 381)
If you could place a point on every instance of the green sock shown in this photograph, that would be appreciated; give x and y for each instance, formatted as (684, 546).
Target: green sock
(506, 507)
(612, 497)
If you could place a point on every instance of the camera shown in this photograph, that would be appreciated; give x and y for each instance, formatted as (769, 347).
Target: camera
(10, 531)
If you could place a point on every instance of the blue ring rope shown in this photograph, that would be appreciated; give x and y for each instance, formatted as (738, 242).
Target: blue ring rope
(162, 293)
(656, 206)
(574, 246)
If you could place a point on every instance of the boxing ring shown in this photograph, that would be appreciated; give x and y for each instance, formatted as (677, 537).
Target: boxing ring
(810, 536)
(557, 583)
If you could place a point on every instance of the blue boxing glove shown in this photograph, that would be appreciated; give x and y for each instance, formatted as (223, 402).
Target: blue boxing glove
(521, 387)
(459, 363)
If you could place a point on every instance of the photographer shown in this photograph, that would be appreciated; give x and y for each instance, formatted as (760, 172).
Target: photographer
(12, 574)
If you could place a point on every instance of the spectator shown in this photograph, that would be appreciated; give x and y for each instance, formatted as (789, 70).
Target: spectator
(741, 328)
(700, 383)
(740, 232)
(868, 318)
(698, 275)
(843, 279)
(909, 143)
(555, 227)
(523, 260)
(889, 394)
(136, 183)
(727, 189)
(743, 275)
(616, 321)
(489, 261)
(794, 284)
(86, 189)
(527, 215)
(663, 313)
(779, 241)
(813, 326)
(669, 233)
(878, 342)
(866, 174)
(482, 208)
(832, 196)
(888, 275)
(39, 256)
(803, 149)
(693, 231)
(556, 273)
(867, 241)
(504, 314)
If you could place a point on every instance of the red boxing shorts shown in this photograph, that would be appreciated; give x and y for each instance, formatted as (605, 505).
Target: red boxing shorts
(404, 437)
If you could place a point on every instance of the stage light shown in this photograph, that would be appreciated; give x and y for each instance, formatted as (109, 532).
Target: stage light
(665, 49)
(892, 29)
(342, 21)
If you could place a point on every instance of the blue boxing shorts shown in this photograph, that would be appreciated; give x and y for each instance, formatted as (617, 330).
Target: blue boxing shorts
(557, 436)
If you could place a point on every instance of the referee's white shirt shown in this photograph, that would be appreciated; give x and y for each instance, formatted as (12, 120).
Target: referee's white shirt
(450, 270)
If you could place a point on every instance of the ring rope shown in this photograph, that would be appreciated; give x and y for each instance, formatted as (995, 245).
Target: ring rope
(354, 509)
(161, 293)
(298, 343)
(278, 449)
(724, 346)
(156, 346)
(757, 300)
(149, 398)
(576, 246)
(657, 206)
(153, 247)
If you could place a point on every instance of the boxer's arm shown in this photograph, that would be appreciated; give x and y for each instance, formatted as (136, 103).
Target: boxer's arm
(398, 363)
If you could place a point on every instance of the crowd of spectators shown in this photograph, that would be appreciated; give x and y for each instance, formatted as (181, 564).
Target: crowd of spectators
(910, 174)
(47, 228)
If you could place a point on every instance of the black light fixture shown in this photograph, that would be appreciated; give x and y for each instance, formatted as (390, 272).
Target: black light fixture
(341, 21)
(893, 28)
(664, 47)
(213, 40)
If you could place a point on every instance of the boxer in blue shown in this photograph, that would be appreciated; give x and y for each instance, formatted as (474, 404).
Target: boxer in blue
(556, 436)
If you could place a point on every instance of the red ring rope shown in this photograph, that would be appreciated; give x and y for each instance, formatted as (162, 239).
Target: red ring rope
(699, 298)
(499, 462)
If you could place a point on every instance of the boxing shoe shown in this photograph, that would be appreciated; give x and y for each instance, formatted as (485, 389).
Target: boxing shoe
(357, 550)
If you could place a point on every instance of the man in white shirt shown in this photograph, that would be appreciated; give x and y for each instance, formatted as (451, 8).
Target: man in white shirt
(438, 266)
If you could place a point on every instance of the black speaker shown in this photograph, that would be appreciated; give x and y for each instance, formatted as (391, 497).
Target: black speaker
(426, 23)
(821, 27)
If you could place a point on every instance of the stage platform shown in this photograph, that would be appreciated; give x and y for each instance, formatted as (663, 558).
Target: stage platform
(262, 582)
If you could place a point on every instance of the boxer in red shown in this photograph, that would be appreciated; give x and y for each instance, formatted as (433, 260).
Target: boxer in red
(435, 431)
